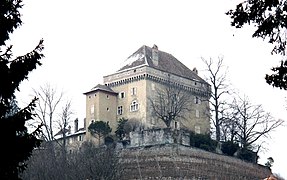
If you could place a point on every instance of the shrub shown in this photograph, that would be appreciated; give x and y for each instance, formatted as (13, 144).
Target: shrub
(229, 148)
(203, 141)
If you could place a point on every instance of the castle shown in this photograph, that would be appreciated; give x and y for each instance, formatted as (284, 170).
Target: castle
(132, 91)
(149, 78)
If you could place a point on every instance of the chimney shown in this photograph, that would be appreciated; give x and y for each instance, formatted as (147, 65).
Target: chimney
(76, 124)
(155, 55)
(195, 70)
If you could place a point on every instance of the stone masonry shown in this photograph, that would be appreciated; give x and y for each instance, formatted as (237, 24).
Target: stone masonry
(174, 161)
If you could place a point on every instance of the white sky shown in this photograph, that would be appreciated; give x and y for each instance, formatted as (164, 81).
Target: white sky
(85, 40)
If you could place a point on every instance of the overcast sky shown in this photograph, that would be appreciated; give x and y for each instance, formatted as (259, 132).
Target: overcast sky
(85, 40)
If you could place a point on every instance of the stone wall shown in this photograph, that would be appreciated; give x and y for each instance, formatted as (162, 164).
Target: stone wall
(159, 136)
(173, 161)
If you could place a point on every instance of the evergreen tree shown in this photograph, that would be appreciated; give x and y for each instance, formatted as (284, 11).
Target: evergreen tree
(269, 19)
(17, 143)
(99, 129)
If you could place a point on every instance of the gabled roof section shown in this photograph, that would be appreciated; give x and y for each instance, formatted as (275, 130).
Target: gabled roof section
(101, 87)
(166, 62)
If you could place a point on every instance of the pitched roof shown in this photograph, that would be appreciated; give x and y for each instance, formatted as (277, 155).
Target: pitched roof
(166, 62)
(101, 87)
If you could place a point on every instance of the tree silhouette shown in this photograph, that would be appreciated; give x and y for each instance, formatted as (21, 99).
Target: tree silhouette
(100, 129)
(252, 121)
(269, 17)
(217, 78)
(16, 141)
(170, 103)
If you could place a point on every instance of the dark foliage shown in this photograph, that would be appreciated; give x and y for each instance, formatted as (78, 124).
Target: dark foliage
(229, 148)
(16, 139)
(109, 140)
(269, 17)
(99, 129)
(203, 141)
(120, 132)
(247, 155)
(279, 78)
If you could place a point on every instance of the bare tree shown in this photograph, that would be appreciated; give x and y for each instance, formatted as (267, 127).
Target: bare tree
(49, 100)
(65, 120)
(170, 103)
(218, 80)
(252, 122)
(228, 126)
(88, 163)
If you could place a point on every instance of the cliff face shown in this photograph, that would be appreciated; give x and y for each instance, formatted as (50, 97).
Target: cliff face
(173, 161)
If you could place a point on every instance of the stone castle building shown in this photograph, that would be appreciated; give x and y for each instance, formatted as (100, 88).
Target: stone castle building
(155, 152)
(129, 92)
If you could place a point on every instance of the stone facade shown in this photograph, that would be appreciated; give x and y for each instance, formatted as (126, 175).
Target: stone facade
(173, 161)
(132, 87)
(152, 137)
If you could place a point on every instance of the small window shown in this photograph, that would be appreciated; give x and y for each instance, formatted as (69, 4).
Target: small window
(80, 138)
(135, 70)
(197, 113)
(122, 95)
(120, 110)
(196, 100)
(89, 97)
(152, 86)
(92, 109)
(176, 125)
(133, 91)
(108, 109)
(107, 96)
(134, 106)
(197, 129)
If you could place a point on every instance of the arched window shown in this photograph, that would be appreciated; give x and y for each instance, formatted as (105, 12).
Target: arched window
(134, 106)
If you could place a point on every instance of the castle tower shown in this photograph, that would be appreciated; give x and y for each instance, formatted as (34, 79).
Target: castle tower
(101, 106)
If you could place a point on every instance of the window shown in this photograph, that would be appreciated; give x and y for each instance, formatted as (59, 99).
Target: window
(134, 106)
(108, 109)
(120, 110)
(197, 129)
(133, 91)
(122, 95)
(107, 96)
(196, 100)
(152, 86)
(197, 113)
(176, 125)
(92, 109)
(80, 138)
